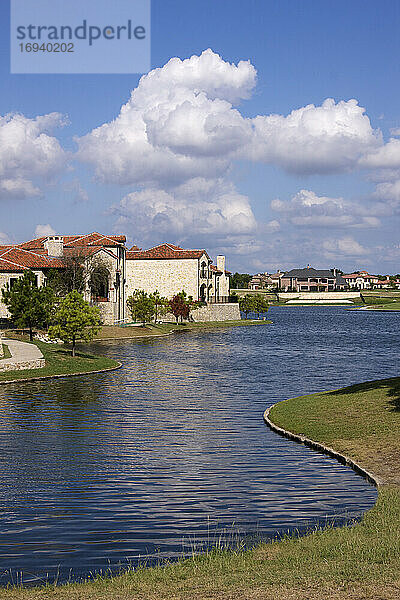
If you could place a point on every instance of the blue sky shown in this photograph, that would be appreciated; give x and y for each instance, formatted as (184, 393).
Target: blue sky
(271, 202)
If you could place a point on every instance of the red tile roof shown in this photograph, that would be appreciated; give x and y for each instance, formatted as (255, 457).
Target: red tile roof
(214, 268)
(17, 259)
(33, 254)
(362, 275)
(91, 239)
(164, 251)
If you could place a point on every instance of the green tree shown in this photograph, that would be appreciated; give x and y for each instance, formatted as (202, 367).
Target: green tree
(240, 281)
(75, 320)
(28, 305)
(247, 304)
(72, 276)
(141, 306)
(161, 305)
(260, 303)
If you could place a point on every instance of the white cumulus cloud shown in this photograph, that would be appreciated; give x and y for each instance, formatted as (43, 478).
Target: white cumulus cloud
(314, 139)
(306, 209)
(345, 246)
(183, 212)
(29, 156)
(180, 123)
(42, 230)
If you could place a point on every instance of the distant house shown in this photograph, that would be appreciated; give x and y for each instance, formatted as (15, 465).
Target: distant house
(312, 280)
(388, 284)
(361, 280)
(268, 281)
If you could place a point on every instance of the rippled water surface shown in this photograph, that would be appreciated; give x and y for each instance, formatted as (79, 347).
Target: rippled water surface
(171, 450)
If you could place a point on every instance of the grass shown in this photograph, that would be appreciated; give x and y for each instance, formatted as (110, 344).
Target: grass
(6, 352)
(60, 362)
(114, 332)
(387, 306)
(359, 561)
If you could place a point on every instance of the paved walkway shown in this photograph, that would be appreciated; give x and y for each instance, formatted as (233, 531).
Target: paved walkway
(23, 356)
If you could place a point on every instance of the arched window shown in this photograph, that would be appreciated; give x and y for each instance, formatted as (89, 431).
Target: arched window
(99, 282)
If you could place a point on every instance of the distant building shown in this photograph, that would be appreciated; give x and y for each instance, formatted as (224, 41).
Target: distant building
(312, 280)
(361, 280)
(268, 281)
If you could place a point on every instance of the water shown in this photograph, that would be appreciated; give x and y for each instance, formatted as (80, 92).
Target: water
(171, 451)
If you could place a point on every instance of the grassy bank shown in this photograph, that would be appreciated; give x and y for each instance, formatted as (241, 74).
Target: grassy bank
(354, 562)
(6, 352)
(60, 362)
(391, 305)
(113, 332)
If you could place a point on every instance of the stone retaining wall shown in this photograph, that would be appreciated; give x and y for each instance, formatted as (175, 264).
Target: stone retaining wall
(217, 312)
(38, 363)
(318, 295)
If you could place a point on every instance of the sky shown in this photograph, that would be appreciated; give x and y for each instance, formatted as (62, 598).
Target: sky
(267, 131)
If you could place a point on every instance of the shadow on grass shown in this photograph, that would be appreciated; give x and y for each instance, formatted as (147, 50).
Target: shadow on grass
(392, 387)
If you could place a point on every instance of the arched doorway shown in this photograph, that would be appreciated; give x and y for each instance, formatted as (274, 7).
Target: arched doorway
(203, 292)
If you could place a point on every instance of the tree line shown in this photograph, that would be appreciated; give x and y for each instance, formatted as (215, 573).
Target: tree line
(60, 309)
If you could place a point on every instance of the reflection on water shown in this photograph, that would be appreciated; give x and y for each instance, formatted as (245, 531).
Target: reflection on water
(154, 458)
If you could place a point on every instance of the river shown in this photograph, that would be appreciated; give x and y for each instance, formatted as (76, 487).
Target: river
(170, 453)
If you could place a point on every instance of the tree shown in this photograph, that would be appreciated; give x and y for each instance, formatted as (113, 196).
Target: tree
(240, 281)
(75, 320)
(141, 306)
(260, 303)
(180, 306)
(247, 304)
(71, 277)
(28, 305)
(161, 305)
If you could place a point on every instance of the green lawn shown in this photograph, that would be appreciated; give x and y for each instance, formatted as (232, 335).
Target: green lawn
(358, 562)
(391, 305)
(60, 362)
(6, 352)
(114, 332)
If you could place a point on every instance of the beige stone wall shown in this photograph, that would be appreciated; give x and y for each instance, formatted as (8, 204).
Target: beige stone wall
(217, 312)
(38, 363)
(169, 277)
(318, 295)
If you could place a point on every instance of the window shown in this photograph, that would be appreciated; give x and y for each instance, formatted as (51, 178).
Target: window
(203, 270)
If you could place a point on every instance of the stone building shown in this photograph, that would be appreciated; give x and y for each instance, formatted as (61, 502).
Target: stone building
(312, 280)
(56, 252)
(167, 268)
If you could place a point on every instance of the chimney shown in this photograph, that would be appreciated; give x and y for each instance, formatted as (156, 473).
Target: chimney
(54, 245)
(221, 263)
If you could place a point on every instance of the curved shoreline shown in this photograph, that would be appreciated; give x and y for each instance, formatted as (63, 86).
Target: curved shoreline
(301, 439)
(58, 375)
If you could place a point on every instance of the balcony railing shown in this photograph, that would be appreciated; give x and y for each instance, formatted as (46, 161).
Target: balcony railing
(220, 300)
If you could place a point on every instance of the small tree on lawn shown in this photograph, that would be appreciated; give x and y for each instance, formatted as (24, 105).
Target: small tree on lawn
(260, 303)
(180, 306)
(247, 304)
(75, 320)
(161, 305)
(28, 305)
(141, 306)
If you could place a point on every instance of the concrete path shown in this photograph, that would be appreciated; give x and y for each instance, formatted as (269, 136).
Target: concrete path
(23, 356)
